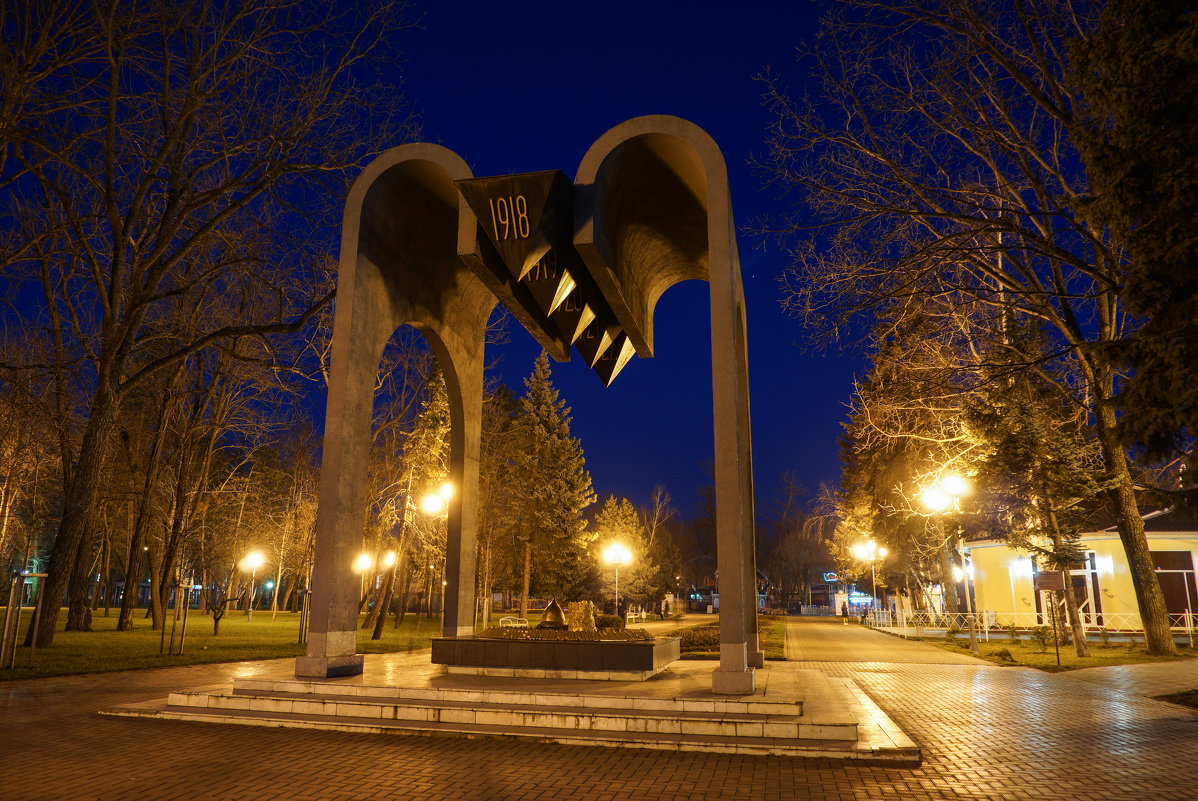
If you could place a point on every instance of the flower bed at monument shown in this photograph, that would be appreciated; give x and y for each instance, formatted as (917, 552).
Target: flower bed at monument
(561, 635)
(703, 642)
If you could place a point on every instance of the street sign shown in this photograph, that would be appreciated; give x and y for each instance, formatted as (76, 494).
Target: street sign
(831, 577)
(1050, 580)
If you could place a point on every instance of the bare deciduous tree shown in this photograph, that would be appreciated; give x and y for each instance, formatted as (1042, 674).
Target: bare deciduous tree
(173, 151)
(939, 156)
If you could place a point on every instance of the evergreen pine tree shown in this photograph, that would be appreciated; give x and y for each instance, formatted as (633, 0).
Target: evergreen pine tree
(619, 522)
(551, 487)
(1037, 467)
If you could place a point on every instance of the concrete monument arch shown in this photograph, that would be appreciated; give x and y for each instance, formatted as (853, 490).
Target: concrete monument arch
(581, 266)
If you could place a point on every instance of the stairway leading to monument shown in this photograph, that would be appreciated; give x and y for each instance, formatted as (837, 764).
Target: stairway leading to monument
(783, 725)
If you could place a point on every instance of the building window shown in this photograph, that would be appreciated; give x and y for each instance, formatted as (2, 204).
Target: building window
(1175, 571)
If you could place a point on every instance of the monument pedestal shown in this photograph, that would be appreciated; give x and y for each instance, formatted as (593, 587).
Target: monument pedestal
(327, 667)
(734, 682)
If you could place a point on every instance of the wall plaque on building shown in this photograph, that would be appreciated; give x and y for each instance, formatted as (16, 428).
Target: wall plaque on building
(1050, 580)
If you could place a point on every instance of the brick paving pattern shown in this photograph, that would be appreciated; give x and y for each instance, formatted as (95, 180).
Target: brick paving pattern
(987, 733)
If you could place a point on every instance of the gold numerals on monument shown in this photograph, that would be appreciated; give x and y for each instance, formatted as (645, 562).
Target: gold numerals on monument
(573, 302)
(545, 269)
(509, 217)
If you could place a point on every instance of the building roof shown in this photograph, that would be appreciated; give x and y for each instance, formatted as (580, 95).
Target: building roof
(1181, 517)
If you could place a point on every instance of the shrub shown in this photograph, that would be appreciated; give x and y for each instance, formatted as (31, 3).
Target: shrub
(609, 622)
(1013, 634)
(1042, 636)
(1104, 634)
(951, 633)
(701, 638)
(1003, 654)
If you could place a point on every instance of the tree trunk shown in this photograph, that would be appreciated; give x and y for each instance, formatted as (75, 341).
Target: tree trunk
(107, 575)
(947, 585)
(385, 605)
(141, 524)
(403, 599)
(289, 595)
(6, 498)
(79, 608)
(1151, 601)
(80, 498)
(527, 578)
(1075, 619)
(102, 576)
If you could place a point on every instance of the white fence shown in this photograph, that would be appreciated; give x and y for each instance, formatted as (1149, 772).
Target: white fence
(998, 624)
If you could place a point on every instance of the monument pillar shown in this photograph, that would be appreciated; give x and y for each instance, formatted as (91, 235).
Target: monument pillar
(403, 226)
(654, 209)
(465, 387)
(357, 347)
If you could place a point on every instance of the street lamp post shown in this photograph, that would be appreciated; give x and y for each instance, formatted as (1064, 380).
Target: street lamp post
(948, 490)
(616, 555)
(870, 552)
(254, 560)
(363, 564)
(436, 504)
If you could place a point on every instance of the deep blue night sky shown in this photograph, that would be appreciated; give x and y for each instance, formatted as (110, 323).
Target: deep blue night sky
(521, 87)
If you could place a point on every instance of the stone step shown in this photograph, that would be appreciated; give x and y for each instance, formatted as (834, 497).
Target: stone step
(732, 705)
(795, 712)
(636, 735)
(555, 712)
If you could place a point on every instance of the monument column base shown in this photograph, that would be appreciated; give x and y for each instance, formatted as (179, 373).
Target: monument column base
(757, 659)
(326, 667)
(330, 654)
(734, 682)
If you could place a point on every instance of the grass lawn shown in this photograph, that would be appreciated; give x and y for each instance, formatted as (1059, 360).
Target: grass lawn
(1029, 654)
(105, 649)
(703, 641)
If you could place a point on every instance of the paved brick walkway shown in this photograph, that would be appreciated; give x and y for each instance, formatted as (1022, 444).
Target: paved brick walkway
(988, 733)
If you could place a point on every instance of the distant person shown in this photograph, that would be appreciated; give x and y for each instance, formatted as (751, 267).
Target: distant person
(844, 609)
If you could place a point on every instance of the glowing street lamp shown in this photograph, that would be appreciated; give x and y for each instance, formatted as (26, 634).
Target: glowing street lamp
(363, 565)
(870, 552)
(254, 560)
(616, 555)
(436, 503)
(949, 490)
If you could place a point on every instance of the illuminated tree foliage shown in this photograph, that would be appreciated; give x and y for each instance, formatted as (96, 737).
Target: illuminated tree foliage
(619, 522)
(940, 161)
